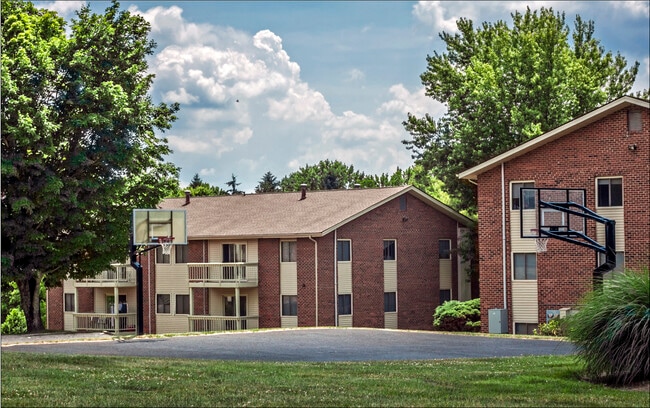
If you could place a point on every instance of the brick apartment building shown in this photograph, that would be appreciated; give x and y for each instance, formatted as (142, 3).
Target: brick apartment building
(607, 153)
(383, 258)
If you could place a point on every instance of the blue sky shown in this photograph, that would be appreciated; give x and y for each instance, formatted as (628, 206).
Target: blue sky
(272, 86)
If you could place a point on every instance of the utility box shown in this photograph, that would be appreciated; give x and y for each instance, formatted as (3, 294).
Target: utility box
(498, 321)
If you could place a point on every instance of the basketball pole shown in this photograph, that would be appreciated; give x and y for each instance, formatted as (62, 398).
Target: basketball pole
(139, 291)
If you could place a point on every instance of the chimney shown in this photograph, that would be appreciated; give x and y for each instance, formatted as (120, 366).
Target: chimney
(303, 191)
(187, 197)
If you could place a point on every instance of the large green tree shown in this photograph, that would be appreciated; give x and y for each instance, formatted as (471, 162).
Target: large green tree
(504, 84)
(268, 184)
(79, 150)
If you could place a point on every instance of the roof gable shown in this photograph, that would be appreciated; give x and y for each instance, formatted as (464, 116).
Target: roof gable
(569, 127)
(276, 215)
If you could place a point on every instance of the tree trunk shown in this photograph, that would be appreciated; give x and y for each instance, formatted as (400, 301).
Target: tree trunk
(30, 302)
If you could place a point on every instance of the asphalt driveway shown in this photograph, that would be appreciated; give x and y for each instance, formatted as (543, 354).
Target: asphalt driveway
(317, 344)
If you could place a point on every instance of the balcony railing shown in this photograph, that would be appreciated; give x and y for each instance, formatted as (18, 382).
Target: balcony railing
(123, 322)
(218, 274)
(121, 274)
(222, 323)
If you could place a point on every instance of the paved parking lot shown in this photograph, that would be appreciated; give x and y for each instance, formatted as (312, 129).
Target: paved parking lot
(317, 344)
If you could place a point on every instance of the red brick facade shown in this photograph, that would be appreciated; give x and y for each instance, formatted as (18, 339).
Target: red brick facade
(604, 148)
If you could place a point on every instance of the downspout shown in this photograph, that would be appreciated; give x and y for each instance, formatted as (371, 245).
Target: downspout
(150, 295)
(503, 233)
(336, 287)
(315, 273)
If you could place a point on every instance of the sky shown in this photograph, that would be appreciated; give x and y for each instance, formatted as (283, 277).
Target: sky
(274, 86)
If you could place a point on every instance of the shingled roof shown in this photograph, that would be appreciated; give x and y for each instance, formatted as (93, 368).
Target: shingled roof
(285, 215)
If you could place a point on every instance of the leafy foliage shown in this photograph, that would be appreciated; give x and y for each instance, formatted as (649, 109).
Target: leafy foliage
(268, 184)
(454, 315)
(15, 322)
(554, 327)
(79, 150)
(612, 329)
(199, 188)
(504, 85)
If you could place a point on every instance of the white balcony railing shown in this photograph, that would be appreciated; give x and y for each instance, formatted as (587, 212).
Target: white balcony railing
(123, 322)
(121, 273)
(219, 273)
(222, 323)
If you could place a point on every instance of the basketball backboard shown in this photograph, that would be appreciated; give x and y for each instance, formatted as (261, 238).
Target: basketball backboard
(554, 210)
(151, 225)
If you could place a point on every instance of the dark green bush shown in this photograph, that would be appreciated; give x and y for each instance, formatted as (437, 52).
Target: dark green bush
(454, 315)
(612, 329)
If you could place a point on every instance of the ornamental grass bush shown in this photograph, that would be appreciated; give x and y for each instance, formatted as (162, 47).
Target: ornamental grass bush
(611, 330)
(454, 315)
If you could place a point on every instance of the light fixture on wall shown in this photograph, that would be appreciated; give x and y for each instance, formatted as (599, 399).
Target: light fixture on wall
(632, 147)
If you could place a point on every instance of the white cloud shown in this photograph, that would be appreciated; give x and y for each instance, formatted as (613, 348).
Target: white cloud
(65, 9)
(355, 75)
(433, 14)
(638, 8)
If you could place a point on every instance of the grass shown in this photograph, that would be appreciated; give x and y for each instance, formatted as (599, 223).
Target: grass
(30, 379)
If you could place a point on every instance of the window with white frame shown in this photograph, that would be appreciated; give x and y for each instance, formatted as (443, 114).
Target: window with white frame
(182, 304)
(610, 192)
(163, 304)
(525, 328)
(343, 250)
(345, 304)
(444, 249)
(515, 196)
(181, 253)
(390, 302)
(288, 251)
(234, 253)
(389, 249)
(525, 266)
(289, 305)
(69, 302)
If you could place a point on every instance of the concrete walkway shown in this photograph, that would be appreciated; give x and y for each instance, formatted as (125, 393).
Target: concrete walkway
(313, 344)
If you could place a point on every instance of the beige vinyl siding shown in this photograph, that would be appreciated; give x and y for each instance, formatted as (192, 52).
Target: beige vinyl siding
(345, 321)
(524, 301)
(390, 320)
(172, 323)
(517, 243)
(616, 214)
(253, 302)
(68, 317)
(344, 270)
(215, 250)
(390, 276)
(174, 283)
(445, 274)
(288, 278)
(289, 321)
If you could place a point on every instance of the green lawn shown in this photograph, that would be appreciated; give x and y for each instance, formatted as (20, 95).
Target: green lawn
(30, 379)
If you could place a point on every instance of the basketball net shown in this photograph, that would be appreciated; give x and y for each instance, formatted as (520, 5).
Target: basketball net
(540, 243)
(166, 243)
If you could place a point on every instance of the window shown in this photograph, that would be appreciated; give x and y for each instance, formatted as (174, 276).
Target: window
(343, 251)
(182, 304)
(444, 249)
(389, 250)
(160, 257)
(620, 261)
(289, 305)
(345, 304)
(525, 328)
(234, 252)
(525, 266)
(390, 302)
(163, 304)
(445, 295)
(69, 302)
(181, 253)
(288, 251)
(610, 192)
(402, 203)
(634, 121)
(529, 196)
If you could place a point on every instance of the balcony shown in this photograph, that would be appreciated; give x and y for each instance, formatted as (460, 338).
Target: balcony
(222, 323)
(126, 322)
(122, 275)
(222, 275)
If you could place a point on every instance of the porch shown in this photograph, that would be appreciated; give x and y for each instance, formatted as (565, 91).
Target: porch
(116, 323)
(222, 323)
(222, 274)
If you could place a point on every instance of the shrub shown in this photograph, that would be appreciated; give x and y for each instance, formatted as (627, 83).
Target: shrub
(15, 322)
(554, 327)
(612, 329)
(454, 315)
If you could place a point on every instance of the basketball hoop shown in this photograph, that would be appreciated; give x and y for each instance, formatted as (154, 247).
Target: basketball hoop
(166, 243)
(540, 243)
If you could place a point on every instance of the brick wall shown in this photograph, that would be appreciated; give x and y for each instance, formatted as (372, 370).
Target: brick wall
(268, 251)
(573, 161)
(55, 308)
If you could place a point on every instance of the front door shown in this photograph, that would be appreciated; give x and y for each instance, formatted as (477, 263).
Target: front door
(229, 310)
